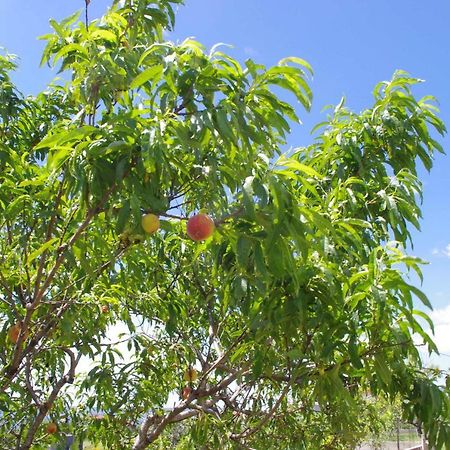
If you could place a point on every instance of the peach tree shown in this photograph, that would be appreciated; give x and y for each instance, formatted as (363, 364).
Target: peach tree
(270, 333)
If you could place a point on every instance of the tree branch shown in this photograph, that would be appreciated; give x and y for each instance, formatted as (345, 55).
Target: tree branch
(48, 236)
(45, 407)
(29, 384)
(144, 438)
(51, 320)
(18, 353)
(250, 431)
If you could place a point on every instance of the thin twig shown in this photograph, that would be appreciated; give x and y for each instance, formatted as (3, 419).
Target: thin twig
(45, 407)
(29, 384)
(86, 13)
(250, 431)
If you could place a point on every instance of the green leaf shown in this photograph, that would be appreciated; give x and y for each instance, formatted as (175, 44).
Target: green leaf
(58, 28)
(69, 48)
(295, 165)
(103, 34)
(296, 60)
(244, 246)
(123, 216)
(259, 259)
(17, 205)
(382, 369)
(61, 137)
(224, 126)
(420, 295)
(152, 74)
(46, 246)
(57, 158)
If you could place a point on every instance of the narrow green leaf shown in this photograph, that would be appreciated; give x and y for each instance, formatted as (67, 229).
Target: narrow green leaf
(153, 74)
(47, 245)
(382, 369)
(295, 165)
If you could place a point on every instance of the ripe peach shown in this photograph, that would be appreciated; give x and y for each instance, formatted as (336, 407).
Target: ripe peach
(200, 227)
(186, 392)
(52, 428)
(14, 331)
(150, 223)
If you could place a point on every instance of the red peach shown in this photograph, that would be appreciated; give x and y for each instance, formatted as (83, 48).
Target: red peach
(52, 428)
(200, 227)
(186, 392)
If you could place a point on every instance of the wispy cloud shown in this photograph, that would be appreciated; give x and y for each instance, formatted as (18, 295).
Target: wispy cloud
(441, 337)
(441, 320)
(442, 251)
(447, 251)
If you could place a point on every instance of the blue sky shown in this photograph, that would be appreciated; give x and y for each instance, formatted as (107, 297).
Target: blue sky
(351, 44)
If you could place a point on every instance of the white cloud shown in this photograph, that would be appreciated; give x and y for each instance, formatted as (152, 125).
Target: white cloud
(447, 251)
(441, 337)
(441, 320)
(441, 252)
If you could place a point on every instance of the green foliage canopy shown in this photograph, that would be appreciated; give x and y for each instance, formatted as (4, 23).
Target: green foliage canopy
(300, 299)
